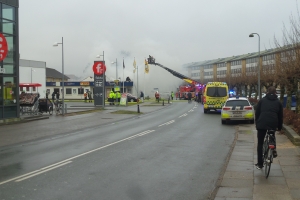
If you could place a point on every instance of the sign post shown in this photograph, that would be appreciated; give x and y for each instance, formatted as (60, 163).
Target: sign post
(99, 69)
(3, 51)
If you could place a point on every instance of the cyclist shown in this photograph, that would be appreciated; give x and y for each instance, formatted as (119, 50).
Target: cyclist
(268, 116)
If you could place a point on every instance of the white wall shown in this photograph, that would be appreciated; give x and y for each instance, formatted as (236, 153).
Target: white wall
(35, 71)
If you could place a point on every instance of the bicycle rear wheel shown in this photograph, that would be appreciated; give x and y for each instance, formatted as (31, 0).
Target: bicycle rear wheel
(268, 162)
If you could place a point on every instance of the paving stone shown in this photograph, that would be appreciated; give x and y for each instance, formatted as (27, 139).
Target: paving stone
(290, 168)
(295, 193)
(239, 153)
(261, 180)
(293, 183)
(239, 168)
(246, 158)
(230, 192)
(292, 175)
(234, 182)
(224, 198)
(272, 197)
(270, 189)
(240, 162)
(241, 175)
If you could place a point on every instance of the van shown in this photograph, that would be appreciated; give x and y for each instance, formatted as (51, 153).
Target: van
(215, 95)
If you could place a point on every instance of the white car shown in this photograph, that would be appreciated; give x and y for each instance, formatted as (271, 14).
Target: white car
(237, 108)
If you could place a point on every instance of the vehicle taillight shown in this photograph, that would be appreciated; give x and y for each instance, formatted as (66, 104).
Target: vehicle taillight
(225, 108)
(248, 108)
(271, 146)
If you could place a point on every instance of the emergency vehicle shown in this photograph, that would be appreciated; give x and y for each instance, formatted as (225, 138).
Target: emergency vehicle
(214, 96)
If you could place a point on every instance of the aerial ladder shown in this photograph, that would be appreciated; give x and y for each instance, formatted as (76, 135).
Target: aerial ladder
(151, 61)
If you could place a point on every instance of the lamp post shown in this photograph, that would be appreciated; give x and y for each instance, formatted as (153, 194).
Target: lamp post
(63, 74)
(32, 70)
(116, 68)
(258, 63)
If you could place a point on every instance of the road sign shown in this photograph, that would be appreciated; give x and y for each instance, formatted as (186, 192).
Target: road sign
(99, 67)
(3, 47)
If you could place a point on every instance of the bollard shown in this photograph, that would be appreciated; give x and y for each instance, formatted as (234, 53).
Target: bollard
(163, 102)
(169, 100)
(138, 108)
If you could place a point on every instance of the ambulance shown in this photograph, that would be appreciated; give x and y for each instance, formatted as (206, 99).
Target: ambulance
(214, 96)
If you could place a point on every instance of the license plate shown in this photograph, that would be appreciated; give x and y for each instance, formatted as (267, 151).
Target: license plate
(236, 112)
(237, 116)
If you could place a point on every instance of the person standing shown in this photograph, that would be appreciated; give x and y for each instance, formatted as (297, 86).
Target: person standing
(111, 97)
(268, 116)
(53, 96)
(57, 95)
(142, 96)
(85, 97)
(172, 95)
(118, 97)
(157, 96)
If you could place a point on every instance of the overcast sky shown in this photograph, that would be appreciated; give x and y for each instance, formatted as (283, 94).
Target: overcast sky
(175, 32)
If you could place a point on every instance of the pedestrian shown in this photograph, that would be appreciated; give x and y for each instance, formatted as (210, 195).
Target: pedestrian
(90, 96)
(111, 97)
(268, 116)
(142, 96)
(118, 97)
(53, 96)
(157, 96)
(199, 97)
(189, 96)
(85, 97)
(172, 95)
(57, 95)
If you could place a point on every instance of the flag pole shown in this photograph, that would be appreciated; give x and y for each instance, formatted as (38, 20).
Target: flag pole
(137, 81)
(123, 76)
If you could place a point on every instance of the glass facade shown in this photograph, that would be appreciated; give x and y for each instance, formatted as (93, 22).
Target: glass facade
(9, 66)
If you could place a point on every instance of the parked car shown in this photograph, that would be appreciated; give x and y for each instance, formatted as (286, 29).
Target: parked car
(238, 108)
(131, 98)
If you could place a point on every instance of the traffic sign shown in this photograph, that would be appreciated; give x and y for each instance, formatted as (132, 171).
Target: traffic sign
(3, 47)
(99, 67)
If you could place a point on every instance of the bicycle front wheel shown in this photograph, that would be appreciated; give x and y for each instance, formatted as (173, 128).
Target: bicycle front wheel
(268, 162)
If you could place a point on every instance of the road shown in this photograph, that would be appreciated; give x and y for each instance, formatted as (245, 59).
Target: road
(175, 153)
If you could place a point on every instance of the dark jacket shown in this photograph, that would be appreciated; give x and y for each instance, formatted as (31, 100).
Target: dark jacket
(269, 113)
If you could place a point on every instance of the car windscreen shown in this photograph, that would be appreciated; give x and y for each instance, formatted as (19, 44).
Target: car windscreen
(216, 92)
(237, 103)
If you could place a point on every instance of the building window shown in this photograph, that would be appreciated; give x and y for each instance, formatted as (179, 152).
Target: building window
(80, 90)
(74, 91)
(8, 12)
(68, 91)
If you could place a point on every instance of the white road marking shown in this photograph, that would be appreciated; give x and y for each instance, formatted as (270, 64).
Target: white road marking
(167, 123)
(67, 161)
(32, 175)
(191, 110)
(182, 115)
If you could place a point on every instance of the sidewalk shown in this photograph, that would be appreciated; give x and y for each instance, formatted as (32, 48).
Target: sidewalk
(242, 180)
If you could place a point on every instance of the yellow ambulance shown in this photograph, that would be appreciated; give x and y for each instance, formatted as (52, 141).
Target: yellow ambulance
(215, 95)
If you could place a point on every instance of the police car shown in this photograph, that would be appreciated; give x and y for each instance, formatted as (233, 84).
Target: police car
(237, 108)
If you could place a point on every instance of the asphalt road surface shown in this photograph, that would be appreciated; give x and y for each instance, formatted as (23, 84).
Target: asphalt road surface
(175, 153)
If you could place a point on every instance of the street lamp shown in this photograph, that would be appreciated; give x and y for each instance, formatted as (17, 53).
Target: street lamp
(116, 68)
(63, 74)
(32, 70)
(258, 63)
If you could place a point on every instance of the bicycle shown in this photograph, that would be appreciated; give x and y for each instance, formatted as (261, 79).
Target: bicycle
(58, 107)
(268, 148)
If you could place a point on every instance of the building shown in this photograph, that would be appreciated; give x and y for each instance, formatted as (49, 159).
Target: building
(9, 64)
